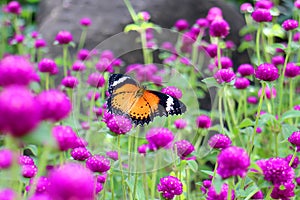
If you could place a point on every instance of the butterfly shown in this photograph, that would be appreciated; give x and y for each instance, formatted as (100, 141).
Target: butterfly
(127, 97)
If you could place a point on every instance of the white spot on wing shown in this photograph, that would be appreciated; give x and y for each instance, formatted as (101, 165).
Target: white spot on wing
(170, 104)
(120, 80)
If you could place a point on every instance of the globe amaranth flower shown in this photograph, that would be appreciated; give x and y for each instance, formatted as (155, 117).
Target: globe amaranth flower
(71, 181)
(83, 54)
(98, 163)
(233, 161)
(252, 100)
(277, 60)
(297, 107)
(169, 186)
(80, 153)
(65, 137)
(41, 185)
(55, 105)
(245, 69)
(214, 13)
(16, 70)
(241, 83)
(102, 178)
(119, 124)
(180, 123)
(246, 8)
(40, 43)
(283, 191)
(112, 155)
(29, 171)
(186, 61)
(225, 62)
(181, 25)
(297, 4)
(25, 160)
(78, 66)
(219, 28)
(144, 16)
(202, 23)
(85, 21)
(143, 149)
(7, 194)
(213, 195)
(229, 44)
(248, 37)
(40, 197)
(20, 112)
(294, 139)
(266, 72)
(203, 121)
(6, 158)
(290, 24)
(268, 93)
(265, 4)
(172, 91)
(292, 70)
(159, 138)
(219, 141)
(96, 80)
(70, 82)
(297, 179)
(183, 148)
(261, 15)
(211, 49)
(47, 65)
(295, 163)
(64, 37)
(13, 7)
(224, 76)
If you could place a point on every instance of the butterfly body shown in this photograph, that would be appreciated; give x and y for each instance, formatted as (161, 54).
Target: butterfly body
(128, 98)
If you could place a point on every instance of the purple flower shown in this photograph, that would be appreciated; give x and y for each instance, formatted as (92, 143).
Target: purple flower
(252, 100)
(144, 16)
(181, 25)
(102, 178)
(70, 82)
(20, 112)
(266, 72)
(183, 148)
(219, 28)
(219, 141)
(55, 105)
(203, 121)
(202, 23)
(225, 62)
(213, 195)
(41, 185)
(119, 124)
(295, 163)
(92, 94)
(266, 4)
(268, 93)
(159, 138)
(143, 149)
(169, 186)
(98, 163)
(25, 160)
(278, 60)
(40, 197)
(83, 54)
(96, 80)
(246, 8)
(297, 4)
(71, 181)
(7, 194)
(16, 70)
(211, 49)
(65, 137)
(39, 43)
(29, 171)
(6, 158)
(47, 65)
(294, 139)
(78, 66)
(180, 123)
(186, 61)
(99, 187)
(258, 130)
(241, 83)
(80, 153)
(224, 76)
(290, 24)
(292, 70)
(112, 155)
(85, 21)
(64, 37)
(262, 15)
(284, 192)
(233, 161)
(297, 107)
(296, 37)
(172, 91)
(245, 69)
(13, 7)
(248, 37)
(214, 13)
(297, 179)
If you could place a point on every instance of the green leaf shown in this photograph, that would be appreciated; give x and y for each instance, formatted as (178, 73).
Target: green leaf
(41, 136)
(256, 167)
(245, 45)
(290, 114)
(246, 123)
(250, 191)
(217, 183)
(275, 31)
(208, 172)
(33, 149)
(193, 165)
(287, 130)
(210, 82)
(131, 27)
(248, 29)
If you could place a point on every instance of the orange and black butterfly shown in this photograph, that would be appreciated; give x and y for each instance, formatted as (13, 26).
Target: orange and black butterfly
(128, 98)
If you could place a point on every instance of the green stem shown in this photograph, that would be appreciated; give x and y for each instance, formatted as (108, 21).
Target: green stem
(146, 55)
(268, 196)
(187, 171)
(220, 109)
(135, 162)
(145, 181)
(82, 38)
(47, 81)
(258, 42)
(294, 156)
(219, 54)
(230, 187)
(65, 54)
(130, 10)
(215, 172)
(121, 167)
(112, 184)
(91, 114)
(154, 173)
(291, 93)
(276, 144)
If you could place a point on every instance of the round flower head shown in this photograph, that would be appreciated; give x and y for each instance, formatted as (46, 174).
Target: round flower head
(186, 61)
(241, 83)
(112, 155)
(169, 186)
(296, 37)
(47, 65)
(294, 139)
(69, 81)
(93, 94)
(248, 37)
(213, 13)
(266, 72)
(144, 16)
(180, 123)
(119, 124)
(233, 161)
(13, 7)
(6, 158)
(268, 93)
(183, 148)
(102, 178)
(143, 149)
(295, 163)
(20, 112)
(96, 80)
(245, 69)
(78, 66)
(25, 160)
(224, 76)
(16, 70)
(181, 25)
(98, 163)
(285, 192)
(266, 4)
(297, 179)
(83, 54)
(29, 171)
(262, 15)
(7, 194)
(246, 8)
(65, 137)
(172, 91)
(290, 24)
(40, 43)
(40, 197)
(230, 44)
(64, 37)
(225, 62)
(219, 28)
(213, 195)
(85, 21)
(71, 181)
(159, 138)
(55, 105)
(297, 4)
(80, 153)
(104, 65)
(297, 107)
(202, 23)
(278, 60)
(203, 121)
(219, 141)
(252, 100)
(211, 49)
(41, 186)
(292, 70)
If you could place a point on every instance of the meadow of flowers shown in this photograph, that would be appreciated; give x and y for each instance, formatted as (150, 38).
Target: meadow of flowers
(58, 142)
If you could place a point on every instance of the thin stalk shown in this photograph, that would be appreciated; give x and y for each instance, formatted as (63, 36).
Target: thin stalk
(145, 181)
(230, 187)
(154, 174)
(91, 114)
(294, 156)
(219, 54)
(146, 56)
(258, 42)
(276, 144)
(135, 164)
(112, 184)
(220, 109)
(291, 93)
(130, 10)
(121, 167)
(187, 171)
(82, 38)
(47, 81)
(65, 54)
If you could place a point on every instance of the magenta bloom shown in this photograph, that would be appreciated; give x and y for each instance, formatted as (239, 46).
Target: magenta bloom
(16, 70)
(297, 107)
(265, 4)
(7, 194)
(20, 112)
(41, 186)
(96, 80)
(25, 160)
(278, 60)
(213, 195)
(143, 149)
(80, 153)
(83, 54)
(292, 70)
(297, 4)
(252, 100)
(245, 69)
(169, 186)
(225, 62)
(294, 139)
(172, 91)
(98, 163)
(219, 141)
(78, 66)
(181, 24)
(262, 15)
(70, 82)
(64, 37)
(284, 192)
(71, 181)
(203, 121)
(183, 148)
(180, 123)
(119, 124)
(213, 13)
(290, 24)
(85, 21)
(40, 43)
(266, 72)
(55, 105)
(6, 158)
(112, 155)
(65, 137)
(269, 94)
(258, 195)
(246, 8)
(241, 83)
(145, 16)
(211, 49)
(47, 65)
(159, 138)
(219, 28)
(224, 76)
(13, 7)
(295, 163)
(29, 171)
(202, 23)
(233, 161)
